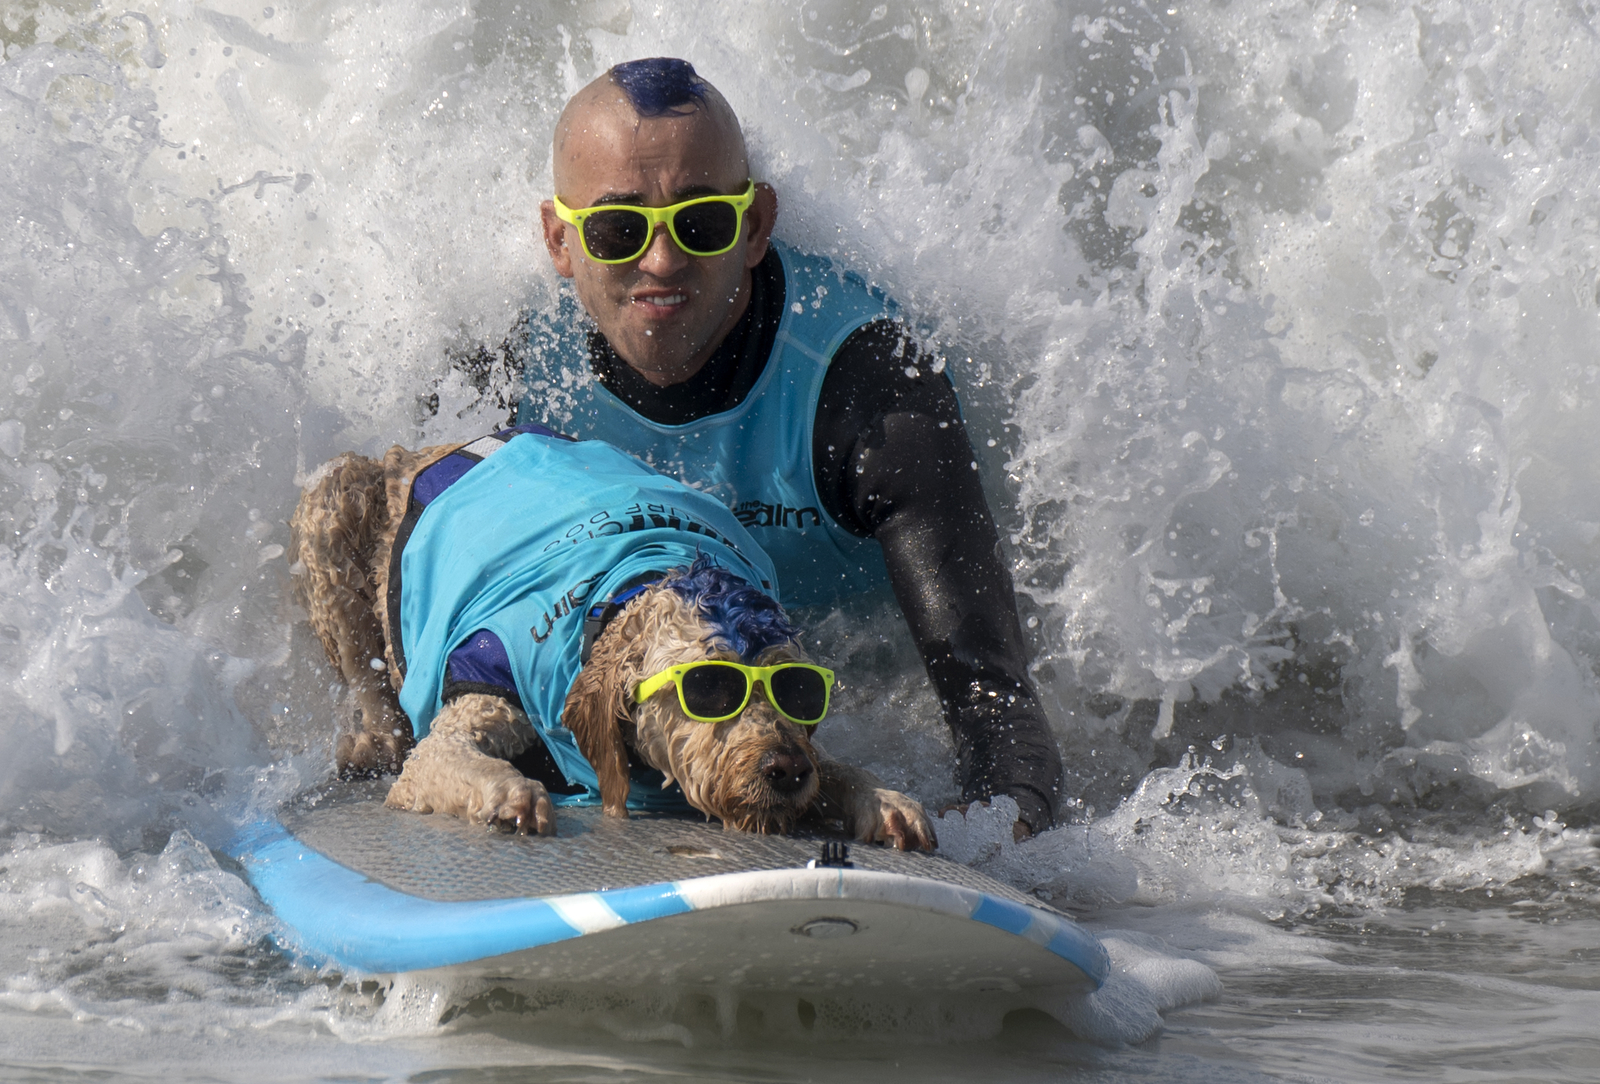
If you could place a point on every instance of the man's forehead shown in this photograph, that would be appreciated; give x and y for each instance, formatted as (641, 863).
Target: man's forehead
(604, 144)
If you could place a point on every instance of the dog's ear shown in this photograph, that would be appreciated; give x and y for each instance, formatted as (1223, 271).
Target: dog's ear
(593, 712)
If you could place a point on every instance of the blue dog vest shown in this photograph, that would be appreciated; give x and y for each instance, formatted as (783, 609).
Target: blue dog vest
(755, 458)
(516, 544)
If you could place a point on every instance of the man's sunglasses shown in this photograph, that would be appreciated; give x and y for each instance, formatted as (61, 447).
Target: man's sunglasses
(618, 233)
(712, 691)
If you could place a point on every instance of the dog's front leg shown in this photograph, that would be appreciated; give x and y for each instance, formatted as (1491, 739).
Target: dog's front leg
(872, 812)
(461, 768)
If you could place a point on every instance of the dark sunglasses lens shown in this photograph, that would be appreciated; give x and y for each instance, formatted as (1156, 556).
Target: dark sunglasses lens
(714, 691)
(615, 235)
(706, 227)
(801, 693)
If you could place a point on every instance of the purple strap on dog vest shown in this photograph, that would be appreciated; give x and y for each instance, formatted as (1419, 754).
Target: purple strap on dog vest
(448, 470)
(600, 614)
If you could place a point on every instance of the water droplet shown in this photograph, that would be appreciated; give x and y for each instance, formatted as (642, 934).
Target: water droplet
(916, 84)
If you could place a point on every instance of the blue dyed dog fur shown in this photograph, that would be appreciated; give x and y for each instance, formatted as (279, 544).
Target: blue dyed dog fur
(746, 620)
(659, 85)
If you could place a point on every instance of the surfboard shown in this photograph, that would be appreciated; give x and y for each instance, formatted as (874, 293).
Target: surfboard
(662, 900)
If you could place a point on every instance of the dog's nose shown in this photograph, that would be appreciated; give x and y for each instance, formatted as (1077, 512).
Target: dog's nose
(786, 771)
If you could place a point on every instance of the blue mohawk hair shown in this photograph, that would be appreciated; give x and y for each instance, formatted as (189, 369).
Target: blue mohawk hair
(660, 85)
(747, 620)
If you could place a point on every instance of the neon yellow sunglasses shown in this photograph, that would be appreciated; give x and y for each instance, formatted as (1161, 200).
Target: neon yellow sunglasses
(712, 691)
(620, 233)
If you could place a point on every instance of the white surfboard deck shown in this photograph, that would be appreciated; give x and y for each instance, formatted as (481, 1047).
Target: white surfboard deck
(652, 900)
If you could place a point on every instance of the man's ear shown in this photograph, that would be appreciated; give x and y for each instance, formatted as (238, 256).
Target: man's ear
(555, 239)
(758, 220)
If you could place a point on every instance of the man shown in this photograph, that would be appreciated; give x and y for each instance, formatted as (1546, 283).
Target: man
(786, 389)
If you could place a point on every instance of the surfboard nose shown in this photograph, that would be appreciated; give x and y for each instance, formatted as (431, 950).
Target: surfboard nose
(785, 770)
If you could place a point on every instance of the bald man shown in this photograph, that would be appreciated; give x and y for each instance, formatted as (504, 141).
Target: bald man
(787, 389)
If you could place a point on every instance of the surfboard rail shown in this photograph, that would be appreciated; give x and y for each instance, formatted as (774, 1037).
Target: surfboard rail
(343, 915)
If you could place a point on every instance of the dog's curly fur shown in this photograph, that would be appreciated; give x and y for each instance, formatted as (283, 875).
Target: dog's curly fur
(757, 772)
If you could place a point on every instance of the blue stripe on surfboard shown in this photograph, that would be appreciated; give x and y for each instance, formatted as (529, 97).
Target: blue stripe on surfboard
(1003, 915)
(1076, 946)
(1082, 949)
(646, 902)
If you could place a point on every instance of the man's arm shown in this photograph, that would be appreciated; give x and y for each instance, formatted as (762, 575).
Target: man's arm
(893, 462)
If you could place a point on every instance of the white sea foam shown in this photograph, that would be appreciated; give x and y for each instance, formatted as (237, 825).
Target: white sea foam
(1198, 835)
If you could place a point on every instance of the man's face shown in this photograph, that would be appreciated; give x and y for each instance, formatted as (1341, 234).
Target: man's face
(666, 312)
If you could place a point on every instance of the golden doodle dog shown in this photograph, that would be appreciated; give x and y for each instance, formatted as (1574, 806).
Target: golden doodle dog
(530, 598)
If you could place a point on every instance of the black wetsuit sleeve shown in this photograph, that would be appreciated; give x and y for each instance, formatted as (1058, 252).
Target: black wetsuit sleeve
(893, 462)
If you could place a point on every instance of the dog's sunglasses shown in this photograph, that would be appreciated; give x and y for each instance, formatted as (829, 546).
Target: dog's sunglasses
(619, 233)
(712, 691)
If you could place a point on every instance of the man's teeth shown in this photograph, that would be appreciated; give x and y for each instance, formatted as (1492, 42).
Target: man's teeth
(663, 302)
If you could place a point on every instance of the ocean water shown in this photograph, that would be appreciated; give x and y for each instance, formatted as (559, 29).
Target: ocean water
(1275, 324)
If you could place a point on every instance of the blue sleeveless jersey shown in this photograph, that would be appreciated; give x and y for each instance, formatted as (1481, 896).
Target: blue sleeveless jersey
(517, 545)
(755, 458)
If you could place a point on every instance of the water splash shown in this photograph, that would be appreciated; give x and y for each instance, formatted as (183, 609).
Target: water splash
(1247, 837)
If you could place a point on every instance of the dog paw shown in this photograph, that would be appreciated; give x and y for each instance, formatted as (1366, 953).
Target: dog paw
(887, 816)
(517, 804)
(368, 754)
(407, 796)
(520, 805)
